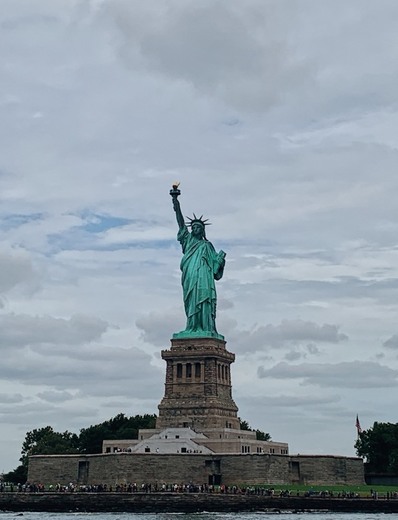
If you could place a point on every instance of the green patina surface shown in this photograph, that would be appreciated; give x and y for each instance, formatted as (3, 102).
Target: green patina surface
(200, 265)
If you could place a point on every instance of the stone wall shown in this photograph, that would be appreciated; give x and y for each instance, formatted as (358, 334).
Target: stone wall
(120, 468)
(186, 503)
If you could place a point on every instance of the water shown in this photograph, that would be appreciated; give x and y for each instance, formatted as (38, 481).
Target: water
(196, 516)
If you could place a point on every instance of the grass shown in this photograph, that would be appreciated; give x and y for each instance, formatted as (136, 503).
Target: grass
(362, 491)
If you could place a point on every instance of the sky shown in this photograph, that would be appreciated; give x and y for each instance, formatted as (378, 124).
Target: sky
(280, 120)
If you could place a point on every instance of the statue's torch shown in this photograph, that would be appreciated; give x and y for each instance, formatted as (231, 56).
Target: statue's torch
(174, 192)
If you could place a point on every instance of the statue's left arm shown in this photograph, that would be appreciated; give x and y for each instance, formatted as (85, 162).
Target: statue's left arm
(219, 265)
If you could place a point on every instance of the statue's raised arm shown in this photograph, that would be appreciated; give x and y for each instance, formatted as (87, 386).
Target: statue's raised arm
(175, 192)
(201, 265)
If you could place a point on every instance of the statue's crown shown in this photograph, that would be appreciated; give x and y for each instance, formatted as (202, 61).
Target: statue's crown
(196, 220)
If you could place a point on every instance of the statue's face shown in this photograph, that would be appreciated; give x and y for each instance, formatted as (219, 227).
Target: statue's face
(197, 230)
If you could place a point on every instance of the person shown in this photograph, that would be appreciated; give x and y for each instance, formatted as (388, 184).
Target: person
(201, 265)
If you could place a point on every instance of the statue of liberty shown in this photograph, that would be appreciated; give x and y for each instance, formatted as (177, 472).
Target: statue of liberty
(200, 266)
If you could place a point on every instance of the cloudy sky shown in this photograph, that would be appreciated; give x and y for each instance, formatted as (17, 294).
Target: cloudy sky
(280, 119)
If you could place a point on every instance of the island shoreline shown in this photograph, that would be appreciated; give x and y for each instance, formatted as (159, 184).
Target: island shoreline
(185, 503)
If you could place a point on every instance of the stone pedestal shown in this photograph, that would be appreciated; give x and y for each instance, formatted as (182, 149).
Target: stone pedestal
(198, 391)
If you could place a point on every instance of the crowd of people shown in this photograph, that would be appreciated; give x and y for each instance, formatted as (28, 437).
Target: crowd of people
(120, 488)
(183, 488)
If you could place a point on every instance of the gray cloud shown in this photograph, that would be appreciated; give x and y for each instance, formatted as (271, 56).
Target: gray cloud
(15, 268)
(312, 349)
(20, 330)
(352, 374)
(383, 288)
(243, 59)
(66, 371)
(287, 333)
(11, 398)
(55, 397)
(157, 328)
(223, 304)
(41, 414)
(299, 330)
(292, 401)
(391, 342)
(293, 355)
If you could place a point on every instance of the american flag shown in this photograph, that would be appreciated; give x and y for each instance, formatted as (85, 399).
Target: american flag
(358, 425)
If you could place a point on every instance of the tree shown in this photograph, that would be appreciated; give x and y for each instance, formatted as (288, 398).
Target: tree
(42, 441)
(119, 427)
(244, 425)
(379, 446)
(45, 441)
(260, 435)
(18, 476)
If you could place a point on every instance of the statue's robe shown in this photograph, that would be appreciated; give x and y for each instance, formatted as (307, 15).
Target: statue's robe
(200, 266)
